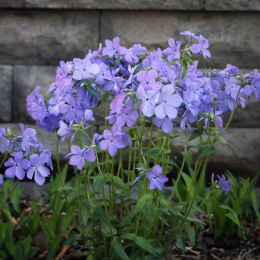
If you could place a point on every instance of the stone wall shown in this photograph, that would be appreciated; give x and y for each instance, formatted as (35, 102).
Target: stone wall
(36, 34)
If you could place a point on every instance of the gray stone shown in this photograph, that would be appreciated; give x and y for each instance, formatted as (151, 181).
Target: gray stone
(12, 3)
(45, 38)
(244, 141)
(120, 4)
(232, 5)
(247, 117)
(230, 39)
(26, 78)
(6, 93)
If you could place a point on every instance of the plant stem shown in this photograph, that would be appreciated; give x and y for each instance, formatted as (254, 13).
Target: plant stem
(62, 185)
(10, 193)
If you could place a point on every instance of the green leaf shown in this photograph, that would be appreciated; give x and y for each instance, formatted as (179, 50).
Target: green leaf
(71, 239)
(222, 140)
(149, 211)
(99, 182)
(181, 242)
(145, 244)
(127, 218)
(106, 95)
(91, 90)
(185, 68)
(196, 133)
(130, 236)
(205, 150)
(191, 234)
(232, 215)
(100, 214)
(118, 182)
(119, 249)
(188, 157)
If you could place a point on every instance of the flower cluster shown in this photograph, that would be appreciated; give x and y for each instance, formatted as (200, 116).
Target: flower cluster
(27, 155)
(163, 85)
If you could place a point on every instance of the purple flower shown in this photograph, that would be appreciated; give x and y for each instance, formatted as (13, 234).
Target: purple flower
(223, 183)
(149, 99)
(173, 51)
(1, 178)
(117, 102)
(113, 47)
(165, 123)
(38, 169)
(28, 138)
(88, 117)
(16, 166)
(78, 156)
(191, 102)
(127, 116)
(192, 35)
(112, 142)
(156, 178)
(202, 47)
(64, 130)
(147, 79)
(84, 69)
(168, 103)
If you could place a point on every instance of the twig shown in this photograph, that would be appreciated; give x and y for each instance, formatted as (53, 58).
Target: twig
(241, 257)
(63, 252)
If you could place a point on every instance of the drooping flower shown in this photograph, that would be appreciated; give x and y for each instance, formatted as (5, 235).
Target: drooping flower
(16, 166)
(156, 178)
(223, 183)
(79, 156)
(64, 130)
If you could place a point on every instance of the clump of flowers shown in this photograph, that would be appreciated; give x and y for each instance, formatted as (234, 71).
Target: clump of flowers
(27, 156)
(145, 93)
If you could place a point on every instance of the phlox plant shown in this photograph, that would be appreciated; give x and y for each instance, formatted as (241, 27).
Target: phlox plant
(145, 95)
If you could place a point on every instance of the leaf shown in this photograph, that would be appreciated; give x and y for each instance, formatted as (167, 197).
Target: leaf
(232, 215)
(106, 95)
(185, 68)
(119, 249)
(222, 140)
(149, 211)
(188, 157)
(127, 219)
(99, 182)
(91, 90)
(196, 133)
(145, 244)
(130, 236)
(118, 182)
(181, 243)
(205, 150)
(71, 239)
(191, 234)
(100, 214)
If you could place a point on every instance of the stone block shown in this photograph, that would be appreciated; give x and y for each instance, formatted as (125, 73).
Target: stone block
(12, 3)
(39, 37)
(6, 73)
(232, 5)
(120, 4)
(26, 78)
(230, 39)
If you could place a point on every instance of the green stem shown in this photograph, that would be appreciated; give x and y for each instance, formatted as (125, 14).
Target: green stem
(62, 185)
(4, 159)
(10, 193)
